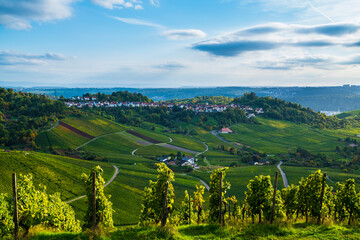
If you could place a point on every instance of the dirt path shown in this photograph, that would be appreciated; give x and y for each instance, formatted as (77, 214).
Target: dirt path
(96, 139)
(110, 181)
(283, 175)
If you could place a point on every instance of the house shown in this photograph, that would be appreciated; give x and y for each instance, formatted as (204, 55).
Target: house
(250, 115)
(172, 163)
(225, 130)
(86, 98)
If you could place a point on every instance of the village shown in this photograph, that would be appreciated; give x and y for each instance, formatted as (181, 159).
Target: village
(81, 102)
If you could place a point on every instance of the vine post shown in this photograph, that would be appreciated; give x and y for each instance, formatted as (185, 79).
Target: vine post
(94, 200)
(15, 217)
(220, 197)
(274, 197)
(189, 209)
(321, 197)
(164, 210)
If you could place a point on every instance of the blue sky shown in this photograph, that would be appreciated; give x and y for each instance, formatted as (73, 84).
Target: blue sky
(176, 43)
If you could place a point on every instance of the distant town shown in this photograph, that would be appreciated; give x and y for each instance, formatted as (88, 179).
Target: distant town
(82, 102)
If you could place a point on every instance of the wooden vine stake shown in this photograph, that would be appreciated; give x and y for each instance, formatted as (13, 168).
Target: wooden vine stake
(274, 198)
(220, 198)
(94, 201)
(164, 210)
(15, 217)
(321, 197)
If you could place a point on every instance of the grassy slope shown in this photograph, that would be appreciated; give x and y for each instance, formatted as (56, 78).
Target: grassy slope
(187, 142)
(350, 114)
(274, 136)
(59, 174)
(248, 232)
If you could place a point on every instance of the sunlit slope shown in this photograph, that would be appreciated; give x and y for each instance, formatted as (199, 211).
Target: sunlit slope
(59, 174)
(62, 137)
(275, 136)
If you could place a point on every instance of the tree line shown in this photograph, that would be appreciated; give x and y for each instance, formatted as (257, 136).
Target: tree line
(280, 109)
(22, 115)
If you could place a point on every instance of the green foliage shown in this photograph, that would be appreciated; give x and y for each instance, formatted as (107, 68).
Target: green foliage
(153, 200)
(259, 196)
(309, 201)
(280, 109)
(104, 211)
(289, 197)
(37, 207)
(198, 203)
(186, 208)
(120, 96)
(6, 221)
(24, 114)
(346, 199)
(215, 191)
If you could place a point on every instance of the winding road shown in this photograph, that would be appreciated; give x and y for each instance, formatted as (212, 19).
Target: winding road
(110, 181)
(283, 175)
(96, 139)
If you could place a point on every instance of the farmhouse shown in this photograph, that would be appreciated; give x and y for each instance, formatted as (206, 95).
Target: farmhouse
(225, 130)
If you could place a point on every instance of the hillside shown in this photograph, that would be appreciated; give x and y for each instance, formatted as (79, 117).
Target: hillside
(58, 173)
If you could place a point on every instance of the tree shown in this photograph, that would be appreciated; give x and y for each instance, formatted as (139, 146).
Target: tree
(216, 193)
(259, 196)
(104, 210)
(152, 204)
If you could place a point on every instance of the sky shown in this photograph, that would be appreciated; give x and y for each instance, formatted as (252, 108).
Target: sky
(179, 43)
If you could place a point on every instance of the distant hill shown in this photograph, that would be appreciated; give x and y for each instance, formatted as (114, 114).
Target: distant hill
(343, 98)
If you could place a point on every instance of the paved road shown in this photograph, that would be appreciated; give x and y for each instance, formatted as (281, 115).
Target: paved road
(57, 123)
(203, 182)
(216, 135)
(283, 175)
(110, 181)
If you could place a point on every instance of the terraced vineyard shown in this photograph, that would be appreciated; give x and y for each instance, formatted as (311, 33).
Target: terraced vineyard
(59, 174)
(274, 136)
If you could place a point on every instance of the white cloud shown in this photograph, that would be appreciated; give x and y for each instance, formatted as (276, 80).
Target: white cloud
(183, 34)
(155, 3)
(138, 7)
(314, 10)
(18, 14)
(135, 21)
(15, 58)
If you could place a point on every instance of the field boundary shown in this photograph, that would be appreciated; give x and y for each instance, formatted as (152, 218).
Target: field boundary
(106, 134)
(75, 130)
(136, 134)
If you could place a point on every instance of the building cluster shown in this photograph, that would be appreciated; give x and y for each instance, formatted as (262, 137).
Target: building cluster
(81, 102)
(179, 161)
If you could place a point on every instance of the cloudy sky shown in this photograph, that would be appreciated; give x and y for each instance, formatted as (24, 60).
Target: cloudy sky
(179, 43)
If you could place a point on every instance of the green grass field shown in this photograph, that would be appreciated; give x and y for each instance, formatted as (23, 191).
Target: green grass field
(241, 231)
(94, 126)
(187, 142)
(59, 174)
(274, 136)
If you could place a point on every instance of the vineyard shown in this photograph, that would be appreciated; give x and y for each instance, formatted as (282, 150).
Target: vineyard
(309, 206)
